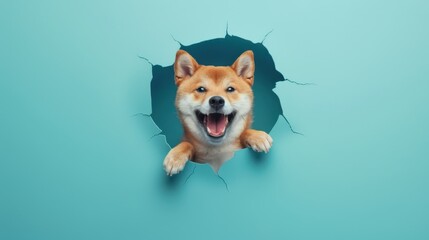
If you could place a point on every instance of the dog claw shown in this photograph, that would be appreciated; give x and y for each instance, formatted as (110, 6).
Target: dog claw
(259, 141)
(174, 162)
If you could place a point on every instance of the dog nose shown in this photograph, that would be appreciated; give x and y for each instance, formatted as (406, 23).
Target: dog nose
(216, 102)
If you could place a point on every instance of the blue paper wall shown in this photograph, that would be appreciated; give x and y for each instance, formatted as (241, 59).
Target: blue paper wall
(75, 164)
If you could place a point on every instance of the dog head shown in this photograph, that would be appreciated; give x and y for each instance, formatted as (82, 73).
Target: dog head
(214, 103)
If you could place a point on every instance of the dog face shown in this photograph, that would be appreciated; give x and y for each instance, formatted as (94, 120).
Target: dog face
(214, 103)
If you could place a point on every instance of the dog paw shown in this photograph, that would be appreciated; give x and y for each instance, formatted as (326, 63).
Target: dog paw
(174, 162)
(259, 141)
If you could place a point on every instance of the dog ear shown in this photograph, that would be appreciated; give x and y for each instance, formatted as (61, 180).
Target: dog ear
(244, 66)
(184, 66)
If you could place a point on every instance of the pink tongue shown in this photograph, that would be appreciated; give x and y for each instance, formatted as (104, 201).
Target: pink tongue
(216, 125)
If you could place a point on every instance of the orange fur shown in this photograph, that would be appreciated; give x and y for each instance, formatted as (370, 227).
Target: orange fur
(189, 76)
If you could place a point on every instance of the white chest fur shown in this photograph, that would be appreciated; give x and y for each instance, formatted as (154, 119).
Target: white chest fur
(215, 156)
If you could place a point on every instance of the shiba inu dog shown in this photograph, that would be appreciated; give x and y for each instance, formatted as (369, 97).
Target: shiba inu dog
(214, 104)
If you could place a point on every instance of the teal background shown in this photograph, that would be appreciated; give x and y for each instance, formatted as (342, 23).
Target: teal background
(75, 164)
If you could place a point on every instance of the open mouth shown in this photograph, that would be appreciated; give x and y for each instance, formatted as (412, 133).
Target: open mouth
(215, 123)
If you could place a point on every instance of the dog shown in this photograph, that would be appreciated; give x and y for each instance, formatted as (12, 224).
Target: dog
(214, 105)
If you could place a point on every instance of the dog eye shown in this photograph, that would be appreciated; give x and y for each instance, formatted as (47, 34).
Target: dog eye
(201, 89)
(230, 89)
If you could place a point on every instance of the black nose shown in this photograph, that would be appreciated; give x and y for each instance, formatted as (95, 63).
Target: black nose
(216, 102)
